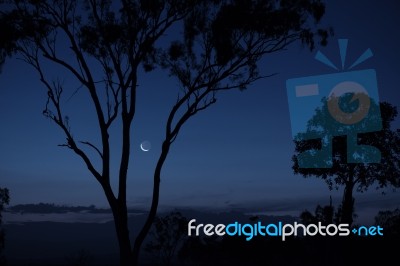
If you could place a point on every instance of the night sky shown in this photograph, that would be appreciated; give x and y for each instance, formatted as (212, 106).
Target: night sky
(235, 155)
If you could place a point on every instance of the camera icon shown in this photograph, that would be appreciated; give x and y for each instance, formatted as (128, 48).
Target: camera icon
(322, 107)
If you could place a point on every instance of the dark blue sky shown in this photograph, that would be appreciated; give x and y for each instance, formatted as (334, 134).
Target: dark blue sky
(236, 154)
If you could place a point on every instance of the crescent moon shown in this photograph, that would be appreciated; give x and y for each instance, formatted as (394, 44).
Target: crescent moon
(145, 146)
(142, 148)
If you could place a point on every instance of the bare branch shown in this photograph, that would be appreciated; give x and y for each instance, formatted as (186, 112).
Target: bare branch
(93, 146)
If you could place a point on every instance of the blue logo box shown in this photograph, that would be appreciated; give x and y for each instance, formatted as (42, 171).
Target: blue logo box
(322, 107)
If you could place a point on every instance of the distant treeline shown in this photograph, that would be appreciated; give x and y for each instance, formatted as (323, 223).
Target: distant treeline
(53, 208)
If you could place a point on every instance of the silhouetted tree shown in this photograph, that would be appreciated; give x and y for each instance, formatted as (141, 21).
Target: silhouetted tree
(102, 44)
(325, 215)
(81, 258)
(390, 222)
(168, 234)
(4, 200)
(351, 175)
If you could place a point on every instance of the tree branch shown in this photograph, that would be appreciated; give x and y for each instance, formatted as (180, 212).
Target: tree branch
(93, 146)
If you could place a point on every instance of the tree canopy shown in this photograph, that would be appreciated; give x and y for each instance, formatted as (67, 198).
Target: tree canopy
(103, 44)
(347, 154)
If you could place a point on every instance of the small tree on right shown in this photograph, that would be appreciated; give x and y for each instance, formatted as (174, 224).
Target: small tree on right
(352, 176)
(4, 200)
(168, 234)
(390, 220)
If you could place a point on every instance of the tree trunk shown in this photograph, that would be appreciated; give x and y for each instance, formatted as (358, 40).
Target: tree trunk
(151, 216)
(120, 214)
(154, 203)
(121, 226)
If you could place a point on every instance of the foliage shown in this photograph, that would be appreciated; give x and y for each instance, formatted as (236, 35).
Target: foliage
(325, 215)
(4, 200)
(390, 222)
(359, 176)
(167, 235)
(80, 258)
(366, 174)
